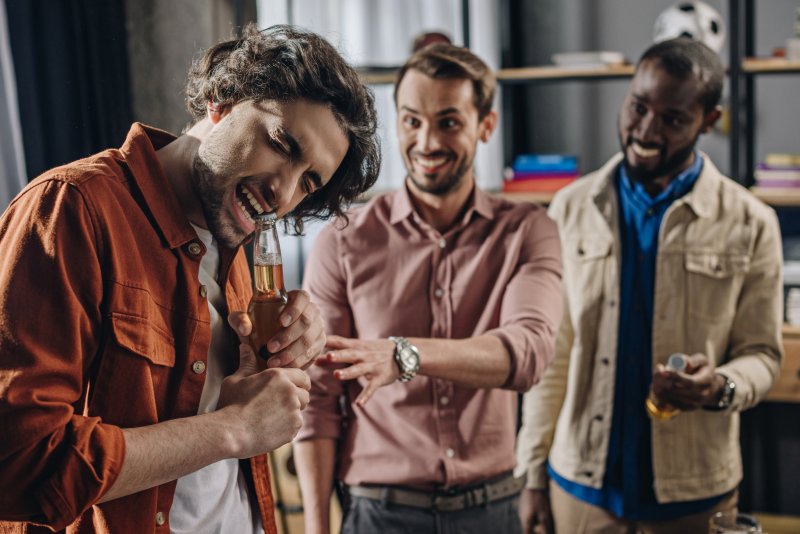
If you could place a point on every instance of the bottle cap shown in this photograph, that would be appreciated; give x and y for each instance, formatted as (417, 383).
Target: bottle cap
(267, 216)
(677, 362)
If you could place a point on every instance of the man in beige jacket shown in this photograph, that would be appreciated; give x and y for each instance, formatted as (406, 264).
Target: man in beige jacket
(663, 255)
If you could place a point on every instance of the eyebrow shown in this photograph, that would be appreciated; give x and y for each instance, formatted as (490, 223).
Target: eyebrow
(675, 111)
(445, 111)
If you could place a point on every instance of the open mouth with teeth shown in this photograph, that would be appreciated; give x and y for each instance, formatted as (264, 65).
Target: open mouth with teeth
(643, 152)
(251, 203)
(431, 164)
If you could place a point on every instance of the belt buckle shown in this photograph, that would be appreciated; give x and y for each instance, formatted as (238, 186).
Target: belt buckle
(436, 500)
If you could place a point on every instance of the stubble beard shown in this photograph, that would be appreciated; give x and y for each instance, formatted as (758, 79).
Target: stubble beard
(665, 167)
(445, 186)
(212, 203)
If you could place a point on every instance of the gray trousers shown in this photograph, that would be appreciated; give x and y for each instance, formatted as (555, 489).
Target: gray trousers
(368, 516)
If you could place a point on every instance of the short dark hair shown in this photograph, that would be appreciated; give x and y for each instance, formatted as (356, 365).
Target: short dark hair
(441, 60)
(286, 63)
(683, 57)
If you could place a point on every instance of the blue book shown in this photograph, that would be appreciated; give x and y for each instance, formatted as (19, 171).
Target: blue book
(545, 162)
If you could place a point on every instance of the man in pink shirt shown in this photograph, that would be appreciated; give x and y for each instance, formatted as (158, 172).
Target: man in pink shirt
(441, 304)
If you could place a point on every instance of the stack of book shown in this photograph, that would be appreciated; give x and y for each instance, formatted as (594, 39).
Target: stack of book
(779, 171)
(544, 173)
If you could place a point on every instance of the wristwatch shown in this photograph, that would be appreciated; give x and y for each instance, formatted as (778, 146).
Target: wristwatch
(726, 399)
(407, 357)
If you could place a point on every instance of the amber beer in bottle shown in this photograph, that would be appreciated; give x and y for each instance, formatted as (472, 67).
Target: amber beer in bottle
(269, 295)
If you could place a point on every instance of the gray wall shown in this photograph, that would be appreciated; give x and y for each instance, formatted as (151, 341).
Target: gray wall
(164, 36)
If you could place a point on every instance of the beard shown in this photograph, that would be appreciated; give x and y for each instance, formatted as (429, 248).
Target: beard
(665, 166)
(443, 186)
(212, 198)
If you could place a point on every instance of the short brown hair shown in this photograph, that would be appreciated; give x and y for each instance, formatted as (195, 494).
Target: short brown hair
(285, 63)
(441, 60)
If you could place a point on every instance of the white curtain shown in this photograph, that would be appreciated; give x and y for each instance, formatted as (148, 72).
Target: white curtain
(12, 158)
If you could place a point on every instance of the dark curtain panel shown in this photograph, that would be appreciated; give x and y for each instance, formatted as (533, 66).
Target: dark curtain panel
(71, 64)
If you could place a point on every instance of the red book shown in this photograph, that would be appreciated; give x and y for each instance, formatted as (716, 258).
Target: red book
(548, 185)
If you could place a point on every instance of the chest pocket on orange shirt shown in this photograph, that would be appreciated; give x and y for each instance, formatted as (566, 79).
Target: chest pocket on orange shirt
(144, 337)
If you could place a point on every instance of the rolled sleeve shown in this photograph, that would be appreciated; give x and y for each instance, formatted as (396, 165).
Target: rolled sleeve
(532, 304)
(756, 348)
(55, 463)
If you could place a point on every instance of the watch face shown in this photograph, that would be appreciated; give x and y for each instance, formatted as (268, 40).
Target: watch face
(409, 357)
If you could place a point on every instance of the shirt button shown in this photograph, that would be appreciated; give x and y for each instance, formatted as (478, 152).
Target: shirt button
(442, 243)
(650, 212)
(203, 291)
(445, 401)
(438, 293)
(195, 249)
(160, 518)
(450, 453)
(198, 367)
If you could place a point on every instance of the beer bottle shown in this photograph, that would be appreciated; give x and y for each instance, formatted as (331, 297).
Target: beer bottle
(269, 295)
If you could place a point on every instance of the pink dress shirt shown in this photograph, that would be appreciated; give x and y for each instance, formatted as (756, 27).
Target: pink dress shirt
(497, 271)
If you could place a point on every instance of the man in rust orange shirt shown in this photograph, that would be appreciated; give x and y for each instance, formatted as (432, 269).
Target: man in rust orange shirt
(126, 401)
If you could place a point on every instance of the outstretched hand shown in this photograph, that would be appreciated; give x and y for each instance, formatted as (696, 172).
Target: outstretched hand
(371, 359)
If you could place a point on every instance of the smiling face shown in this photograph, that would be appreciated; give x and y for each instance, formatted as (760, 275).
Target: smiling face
(261, 157)
(659, 123)
(438, 129)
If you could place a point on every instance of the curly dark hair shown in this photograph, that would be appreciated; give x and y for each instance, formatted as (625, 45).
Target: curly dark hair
(286, 63)
(683, 57)
(442, 60)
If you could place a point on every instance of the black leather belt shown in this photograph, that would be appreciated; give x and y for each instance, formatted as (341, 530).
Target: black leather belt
(444, 501)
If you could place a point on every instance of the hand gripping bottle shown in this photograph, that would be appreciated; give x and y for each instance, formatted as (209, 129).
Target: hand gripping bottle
(269, 295)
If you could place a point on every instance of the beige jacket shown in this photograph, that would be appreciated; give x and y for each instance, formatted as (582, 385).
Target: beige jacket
(718, 291)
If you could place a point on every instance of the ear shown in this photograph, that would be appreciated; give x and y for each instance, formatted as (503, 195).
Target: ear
(487, 126)
(710, 119)
(216, 112)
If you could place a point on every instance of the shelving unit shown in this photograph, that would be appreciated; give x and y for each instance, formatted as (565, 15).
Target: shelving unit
(744, 67)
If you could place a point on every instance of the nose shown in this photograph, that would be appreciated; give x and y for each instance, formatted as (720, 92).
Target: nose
(649, 127)
(286, 191)
(428, 139)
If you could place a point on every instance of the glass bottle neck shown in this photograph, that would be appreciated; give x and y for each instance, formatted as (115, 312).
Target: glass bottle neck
(267, 261)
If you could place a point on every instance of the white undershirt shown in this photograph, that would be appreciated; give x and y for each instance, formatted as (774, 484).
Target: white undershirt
(215, 498)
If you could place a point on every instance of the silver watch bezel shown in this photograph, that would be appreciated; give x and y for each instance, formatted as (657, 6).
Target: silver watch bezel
(401, 346)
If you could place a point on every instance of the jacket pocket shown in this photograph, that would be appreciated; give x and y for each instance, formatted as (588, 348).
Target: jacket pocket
(717, 265)
(714, 281)
(144, 338)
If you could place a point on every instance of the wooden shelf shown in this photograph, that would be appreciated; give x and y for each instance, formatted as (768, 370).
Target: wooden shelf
(529, 74)
(787, 386)
(770, 65)
(554, 73)
(778, 197)
(773, 197)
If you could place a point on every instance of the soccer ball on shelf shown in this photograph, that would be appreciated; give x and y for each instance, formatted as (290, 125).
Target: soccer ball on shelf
(693, 19)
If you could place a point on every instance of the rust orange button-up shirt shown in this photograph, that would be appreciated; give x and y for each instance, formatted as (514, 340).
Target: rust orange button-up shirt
(496, 272)
(102, 321)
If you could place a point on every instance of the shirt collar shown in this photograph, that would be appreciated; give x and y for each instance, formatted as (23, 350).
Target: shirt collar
(139, 155)
(479, 202)
(635, 193)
